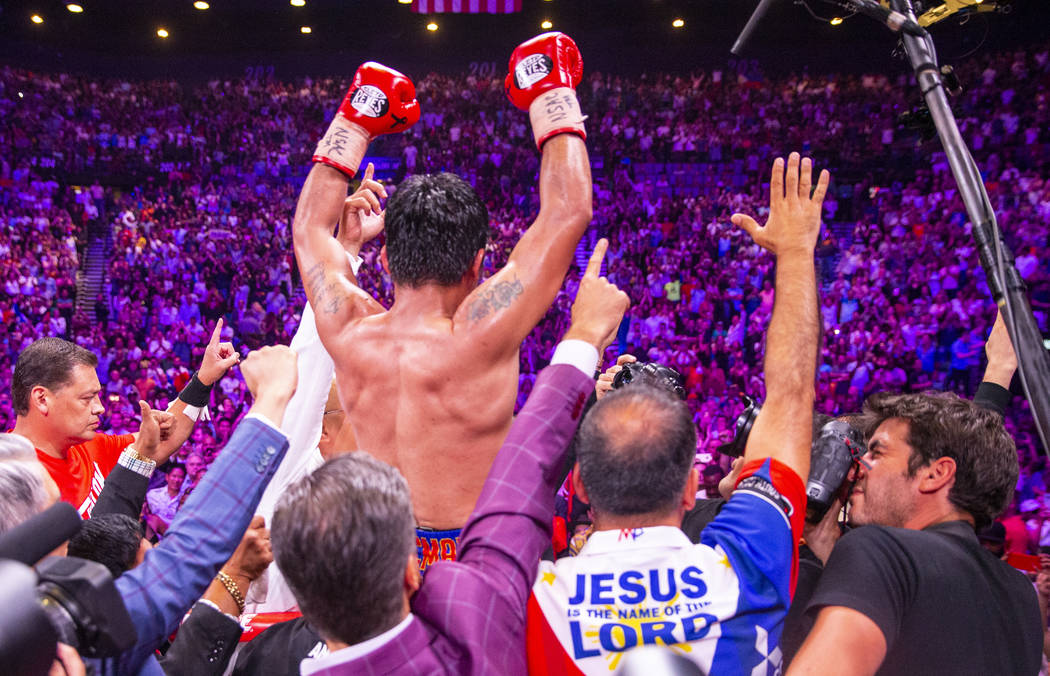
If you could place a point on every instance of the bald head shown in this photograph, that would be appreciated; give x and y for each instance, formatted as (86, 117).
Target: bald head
(337, 437)
(635, 449)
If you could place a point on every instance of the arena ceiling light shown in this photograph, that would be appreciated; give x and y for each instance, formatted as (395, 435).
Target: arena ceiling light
(36, 18)
(546, 25)
(162, 33)
(432, 26)
(297, 3)
(305, 30)
(836, 21)
(75, 8)
(405, 2)
(201, 5)
(678, 23)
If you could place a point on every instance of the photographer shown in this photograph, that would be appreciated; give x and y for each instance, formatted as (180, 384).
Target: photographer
(890, 599)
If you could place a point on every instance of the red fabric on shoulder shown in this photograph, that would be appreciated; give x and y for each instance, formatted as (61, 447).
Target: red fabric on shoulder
(791, 487)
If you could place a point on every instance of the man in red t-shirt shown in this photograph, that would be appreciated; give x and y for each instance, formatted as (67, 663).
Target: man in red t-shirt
(55, 392)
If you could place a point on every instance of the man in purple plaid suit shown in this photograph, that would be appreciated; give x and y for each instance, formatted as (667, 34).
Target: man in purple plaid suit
(345, 534)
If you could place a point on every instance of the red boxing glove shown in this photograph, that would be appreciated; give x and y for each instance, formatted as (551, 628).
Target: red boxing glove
(380, 101)
(544, 72)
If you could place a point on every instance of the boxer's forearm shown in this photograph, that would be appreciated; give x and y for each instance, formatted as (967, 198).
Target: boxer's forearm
(320, 205)
(565, 186)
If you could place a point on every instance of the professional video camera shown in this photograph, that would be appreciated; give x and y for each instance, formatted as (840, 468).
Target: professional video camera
(660, 375)
(66, 599)
(833, 452)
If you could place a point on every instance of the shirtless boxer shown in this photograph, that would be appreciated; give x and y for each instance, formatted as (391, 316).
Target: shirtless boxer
(429, 385)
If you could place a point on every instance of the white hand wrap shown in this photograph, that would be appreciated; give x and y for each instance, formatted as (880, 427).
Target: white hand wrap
(556, 111)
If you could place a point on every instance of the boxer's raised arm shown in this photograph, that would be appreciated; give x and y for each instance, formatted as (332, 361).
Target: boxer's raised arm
(330, 284)
(544, 73)
(380, 101)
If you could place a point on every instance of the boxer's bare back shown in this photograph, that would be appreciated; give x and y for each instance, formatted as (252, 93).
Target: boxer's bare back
(429, 385)
(423, 399)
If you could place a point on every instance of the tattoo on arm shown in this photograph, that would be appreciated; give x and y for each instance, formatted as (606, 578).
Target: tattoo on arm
(500, 296)
(327, 298)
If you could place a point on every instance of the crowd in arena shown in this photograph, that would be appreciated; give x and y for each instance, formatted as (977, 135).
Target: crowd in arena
(185, 196)
(206, 236)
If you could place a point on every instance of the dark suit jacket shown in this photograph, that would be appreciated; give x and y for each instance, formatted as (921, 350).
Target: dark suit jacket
(204, 644)
(123, 493)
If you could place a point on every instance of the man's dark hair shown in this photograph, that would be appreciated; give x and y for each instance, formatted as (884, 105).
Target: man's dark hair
(635, 449)
(47, 362)
(110, 539)
(940, 424)
(712, 470)
(342, 536)
(435, 225)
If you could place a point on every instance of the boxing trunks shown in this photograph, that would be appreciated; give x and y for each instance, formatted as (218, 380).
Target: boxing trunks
(436, 545)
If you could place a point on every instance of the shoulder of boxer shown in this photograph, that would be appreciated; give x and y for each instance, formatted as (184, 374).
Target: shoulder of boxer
(545, 62)
(381, 100)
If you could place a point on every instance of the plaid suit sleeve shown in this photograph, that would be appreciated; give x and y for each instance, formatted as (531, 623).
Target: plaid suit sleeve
(511, 523)
(202, 537)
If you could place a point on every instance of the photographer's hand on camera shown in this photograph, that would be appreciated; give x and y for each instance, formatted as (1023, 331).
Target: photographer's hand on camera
(821, 537)
(67, 662)
(599, 305)
(605, 381)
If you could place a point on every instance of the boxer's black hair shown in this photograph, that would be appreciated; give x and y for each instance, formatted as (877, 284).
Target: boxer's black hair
(435, 225)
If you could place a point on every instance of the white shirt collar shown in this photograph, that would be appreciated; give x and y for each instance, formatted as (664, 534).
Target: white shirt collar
(603, 541)
(312, 665)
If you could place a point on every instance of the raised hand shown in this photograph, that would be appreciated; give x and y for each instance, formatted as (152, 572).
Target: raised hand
(1002, 361)
(794, 208)
(599, 305)
(148, 438)
(380, 101)
(218, 358)
(362, 218)
(605, 381)
(252, 555)
(542, 77)
(271, 372)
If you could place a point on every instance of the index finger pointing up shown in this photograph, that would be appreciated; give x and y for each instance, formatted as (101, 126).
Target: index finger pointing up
(369, 171)
(215, 333)
(594, 265)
